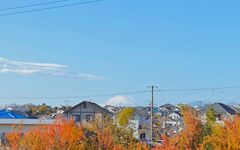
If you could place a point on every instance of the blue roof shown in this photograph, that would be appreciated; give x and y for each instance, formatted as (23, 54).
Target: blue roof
(8, 114)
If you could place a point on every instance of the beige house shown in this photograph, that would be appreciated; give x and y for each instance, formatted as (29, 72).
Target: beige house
(86, 111)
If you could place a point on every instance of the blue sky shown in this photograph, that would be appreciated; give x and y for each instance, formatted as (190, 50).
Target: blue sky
(131, 44)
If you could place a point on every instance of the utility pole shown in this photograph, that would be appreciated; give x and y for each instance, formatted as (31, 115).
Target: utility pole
(152, 90)
(66, 103)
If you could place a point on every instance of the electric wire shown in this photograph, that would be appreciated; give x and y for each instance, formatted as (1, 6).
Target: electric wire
(49, 8)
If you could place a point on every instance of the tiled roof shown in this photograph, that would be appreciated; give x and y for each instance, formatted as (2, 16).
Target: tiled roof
(221, 108)
(101, 108)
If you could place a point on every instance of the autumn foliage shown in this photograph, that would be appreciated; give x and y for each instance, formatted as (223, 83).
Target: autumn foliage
(14, 138)
(108, 136)
(225, 136)
(70, 136)
(189, 138)
(61, 135)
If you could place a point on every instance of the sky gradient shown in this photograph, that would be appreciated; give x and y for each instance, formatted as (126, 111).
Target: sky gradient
(129, 44)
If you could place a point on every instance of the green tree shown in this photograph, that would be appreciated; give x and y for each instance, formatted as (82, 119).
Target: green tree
(211, 115)
(211, 119)
(124, 116)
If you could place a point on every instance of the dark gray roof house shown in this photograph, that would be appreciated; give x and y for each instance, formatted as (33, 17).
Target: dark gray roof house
(141, 111)
(222, 112)
(168, 107)
(221, 108)
(87, 111)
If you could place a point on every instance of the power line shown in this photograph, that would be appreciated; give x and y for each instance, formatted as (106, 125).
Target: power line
(121, 93)
(49, 8)
(76, 97)
(199, 89)
(32, 5)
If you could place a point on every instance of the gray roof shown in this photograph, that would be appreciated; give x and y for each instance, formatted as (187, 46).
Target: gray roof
(176, 112)
(168, 106)
(141, 111)
(88, 102)
(221, 108)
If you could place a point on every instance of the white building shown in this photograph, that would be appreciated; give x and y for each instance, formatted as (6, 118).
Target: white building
(140, 124)
(7, 125)
(174, 115)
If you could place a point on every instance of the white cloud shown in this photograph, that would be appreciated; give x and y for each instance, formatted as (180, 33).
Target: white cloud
(121, 100)
(45, 69)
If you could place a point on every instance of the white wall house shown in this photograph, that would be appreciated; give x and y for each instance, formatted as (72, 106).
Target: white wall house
(174, 115)
(140, 124)
(173, 122)
(7, 125)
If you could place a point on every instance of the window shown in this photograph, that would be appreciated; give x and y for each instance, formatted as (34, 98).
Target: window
(84, 105)
(76, 118)
(89, 118)
(142, 136)
(219, 117)
(3, 138)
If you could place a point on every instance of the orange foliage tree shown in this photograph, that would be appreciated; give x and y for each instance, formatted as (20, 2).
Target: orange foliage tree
(190, 137)
(111, 137)
(69, 135)
(108, 136)
(225, 136)
(14, 137)
(168, 144)
(60, 135)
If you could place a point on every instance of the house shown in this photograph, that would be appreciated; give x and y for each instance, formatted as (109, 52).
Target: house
(155, 109)
(221, 110)
(7, 125)
(169, 126)
(9, 114)
(169, 115)
(9, 119)
(174, 115)
(169, 107)
(86, 111)
(112, 109)
(140, 124)
(165, 109)
(236, 108)
(170, 122)
(172, 131)
(19, 108)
